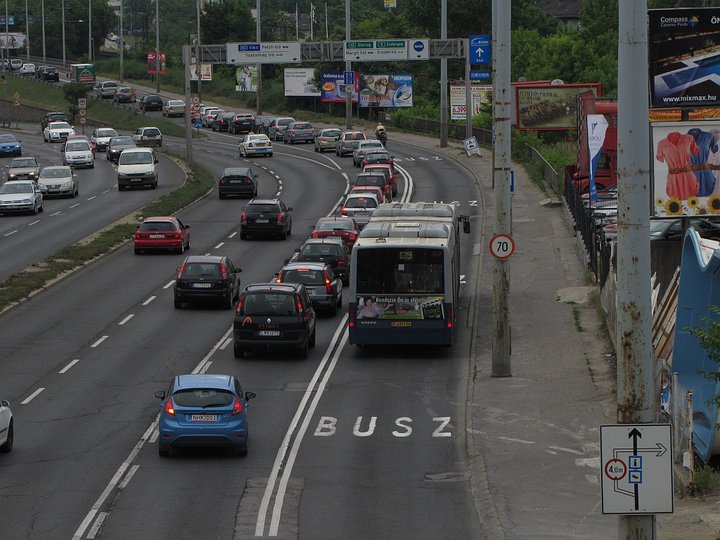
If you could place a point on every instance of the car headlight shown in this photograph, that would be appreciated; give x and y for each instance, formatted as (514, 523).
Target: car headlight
(32, 173)
(13, 175)
(122, 175)
(26, 200)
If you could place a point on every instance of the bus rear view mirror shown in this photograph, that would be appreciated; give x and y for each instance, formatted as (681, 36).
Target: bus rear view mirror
(466, 227)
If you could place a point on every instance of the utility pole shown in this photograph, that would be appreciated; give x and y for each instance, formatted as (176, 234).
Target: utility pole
(327, 32)
(443, 80)
(42, 13)
(258, 34)
(27, 32)
(468, 91)
(89, 30)
(348, 67)
(501, 172)
(186, 56)
(157, 46)
(198, 65)
(122, 43)
(636, 385)
(62, 7)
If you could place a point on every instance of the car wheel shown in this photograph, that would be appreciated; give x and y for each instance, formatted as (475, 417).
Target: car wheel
(181, 250)
(289, 231)
(42, 207)
(243, 236)
(270, 154)
(163, 450)
(178, 303)
(303, 351)
(35, 210)
(138, 251)
(229, 304)
(77, 192)
(8, 444)
(238, 351)
(311, 340)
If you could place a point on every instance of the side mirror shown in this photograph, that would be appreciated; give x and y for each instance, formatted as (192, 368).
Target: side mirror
(296, 250)
(249, 395)
(155, 160)
(276, 274)
(160, 394)
(4, 403)
(137, 227)
(186, 226)
(466, 227)
(238, 270)
(289, 208)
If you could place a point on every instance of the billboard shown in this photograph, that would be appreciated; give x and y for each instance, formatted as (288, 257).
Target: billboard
(12, 40)
(246, 79)
(402, 307)
(684, 57)
(205, 72)
(552, 106)
(480, 96)
(386, 90)
(152, 65)
(300, 82)
(332, 87)
(686, 168)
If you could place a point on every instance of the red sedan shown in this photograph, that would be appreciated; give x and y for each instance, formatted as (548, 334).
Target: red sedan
(389, 171)
(165, 233)
(344, 227)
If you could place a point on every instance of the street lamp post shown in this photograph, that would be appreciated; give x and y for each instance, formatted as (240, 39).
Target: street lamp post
(122, 41)
(197, 51)
(89, 30)
(62, 7)
(42, 13)
(27, 32)
(157, 44)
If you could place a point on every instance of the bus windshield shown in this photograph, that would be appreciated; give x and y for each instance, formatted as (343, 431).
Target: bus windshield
(386, 271)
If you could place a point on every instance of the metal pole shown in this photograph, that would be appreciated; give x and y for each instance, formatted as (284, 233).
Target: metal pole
(62, 7)
(636, 387)
(89, 30)
(7, 39)
(493, 69)
(198, 65)
(42, 13)
(122, 44)
(312, 16)
(27, 32)
(348, 67)
(501, 168)
(468, 91)
(258, 33)
(443, 80)
(157, 46)
(186, 55)
(327, 33)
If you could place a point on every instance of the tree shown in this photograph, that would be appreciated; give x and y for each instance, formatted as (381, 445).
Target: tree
(709, 339)
(227, 21)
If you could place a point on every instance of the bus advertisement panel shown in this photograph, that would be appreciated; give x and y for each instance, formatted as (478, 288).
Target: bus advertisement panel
(400, 307)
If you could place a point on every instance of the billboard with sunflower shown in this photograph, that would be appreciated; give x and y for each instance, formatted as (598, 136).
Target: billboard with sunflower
(686, 168)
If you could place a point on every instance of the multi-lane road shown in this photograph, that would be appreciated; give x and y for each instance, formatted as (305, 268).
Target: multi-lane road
(350, 443)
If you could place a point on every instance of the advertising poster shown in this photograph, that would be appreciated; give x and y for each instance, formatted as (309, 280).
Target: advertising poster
(480, 95)
(686, 168)
(300, 82)
(12, 40)
(389, 90)
(152, 65)
(684, 57)
(246, 79)
(400, 307)
(550, 107)
(205, 72)
(333, 87)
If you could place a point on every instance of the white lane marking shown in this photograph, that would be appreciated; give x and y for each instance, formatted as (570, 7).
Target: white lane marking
(208, 254)
(106, 191)
(34, 223)
(279, 458)
(232, 235)
(56, 213)
(126, 319)
(271, 172)
(476, 431)
(169, 284)
(11, 233)
(409, 185)
(75, 205)
(31, 396)
(206, 367)
(129, 476)
(551, 452)
(228, 341)
(154, 437)
(214, 348)
(96, 526)
(221, 244)
(98, 342)
(71, 364)
(146, 302)
(570, 450)
(521, 441)
(276, 176)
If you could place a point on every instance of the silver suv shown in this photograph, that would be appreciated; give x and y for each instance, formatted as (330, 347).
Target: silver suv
(277, 126)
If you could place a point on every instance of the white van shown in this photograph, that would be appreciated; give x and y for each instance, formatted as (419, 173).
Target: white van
(137, 167)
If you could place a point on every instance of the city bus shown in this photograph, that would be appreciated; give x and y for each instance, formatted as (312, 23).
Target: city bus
(404, 282)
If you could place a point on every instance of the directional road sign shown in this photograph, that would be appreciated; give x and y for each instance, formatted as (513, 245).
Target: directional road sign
(418, 49)
(349, 78)
(471, 146)
(273, 52)
(636, 469)
(480, 75)
(480, 49)
(375, 49)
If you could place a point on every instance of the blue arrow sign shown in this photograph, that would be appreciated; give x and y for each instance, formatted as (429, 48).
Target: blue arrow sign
(480, 75)
(198, 124)
(480, 49)
(349, 77)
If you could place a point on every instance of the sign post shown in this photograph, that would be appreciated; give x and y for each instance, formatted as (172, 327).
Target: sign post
(82, 111)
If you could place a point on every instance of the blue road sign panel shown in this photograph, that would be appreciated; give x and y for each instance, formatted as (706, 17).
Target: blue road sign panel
(198, 125)
(480, 49)
(10, 20)
(349, 77)
(480, 75)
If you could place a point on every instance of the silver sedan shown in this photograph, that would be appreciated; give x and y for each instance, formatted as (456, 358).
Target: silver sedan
(59, 180)
(20, 196)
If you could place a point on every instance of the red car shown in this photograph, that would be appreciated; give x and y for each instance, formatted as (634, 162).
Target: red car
(382, 195)
(389, 171)
(344, 227)
(165, 233)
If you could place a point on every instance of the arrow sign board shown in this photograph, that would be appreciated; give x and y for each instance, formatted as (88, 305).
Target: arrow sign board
(636, 469)
(375, 49)
(480, 49)
(274, 52)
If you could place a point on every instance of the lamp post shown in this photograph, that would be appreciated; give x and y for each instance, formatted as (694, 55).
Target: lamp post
(62, 7)
(42, 13)
(27, 32)
(197, 51)
(89, 30)
(157, 45)
(122, 42)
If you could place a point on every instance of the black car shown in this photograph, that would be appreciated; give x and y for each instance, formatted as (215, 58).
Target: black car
(241, 181)
(52, 117)
(323, 286)
(274, 316)
(242, 123)
(672, 229)
(117, 144)
(50, 74)
(266, 217)
(222, 121)
(329, 250)
(151, 102)
(205, 278)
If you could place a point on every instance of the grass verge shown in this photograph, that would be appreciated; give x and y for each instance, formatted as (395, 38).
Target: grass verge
(707, 481)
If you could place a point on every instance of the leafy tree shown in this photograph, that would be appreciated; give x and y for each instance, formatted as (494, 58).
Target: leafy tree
(74, 91)
(227, 21)
(709, 339)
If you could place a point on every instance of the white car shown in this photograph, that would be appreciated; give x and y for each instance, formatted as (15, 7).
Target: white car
(360, 206)
(255, 145)
(20, 196)
(58, 180)
(78, 153)
(6, 426)
(101, 137)
(207, 118)
(174, 107)
(27, 70)
(57, 131)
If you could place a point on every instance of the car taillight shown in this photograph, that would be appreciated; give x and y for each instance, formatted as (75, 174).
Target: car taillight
(351, 317)
(299, 304)
(352, 237)
(223, 181)
(238, 308)
(237, 407)
(168, 408)
(269, 143)
(182, 269)
(243, 217)
(314, 235)
(341, 262)
(280, 218)
(344, 211)
(224, 271)
(328, 284)
(449, 322)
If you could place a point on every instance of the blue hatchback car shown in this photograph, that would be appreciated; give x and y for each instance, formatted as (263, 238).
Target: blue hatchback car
(10, 145)
(204, 410)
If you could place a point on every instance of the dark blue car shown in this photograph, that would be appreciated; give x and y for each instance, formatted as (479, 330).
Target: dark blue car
(10, 145)
(204, 410)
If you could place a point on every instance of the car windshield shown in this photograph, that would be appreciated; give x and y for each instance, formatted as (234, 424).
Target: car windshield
(7, 139)
(257, 138)
(106, 133)
(264, 303)
(304, 276)
(320, 250)
(116, 141)
(123, 89)
(191, 270)
(333, 226)
(59, 125)
(54, 173)
(331, 133)
(25, 162)
(157, 226)
(16, 187)
(203, 397)
(285, 121)
(361, 202)
(263, 209)
(76, 146)
(135, 158)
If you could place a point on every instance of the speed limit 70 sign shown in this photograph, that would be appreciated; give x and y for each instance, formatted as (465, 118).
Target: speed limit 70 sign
(502, 246)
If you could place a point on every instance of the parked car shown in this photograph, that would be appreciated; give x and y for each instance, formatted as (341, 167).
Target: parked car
(150, 102)
(10, 145)
(221, 122)
(207, 278)
(117, 144)
(241, 181)
(330, 250)
(203, 410)
(277, 126)
(255, 145)
(672, 229)
(101, 137)
(148, 136)
(124, 94)
(58, 181)
(327, 139)
(137, 167)
(57, 131)
(242, 123)
(78, 153)
(174, 107)
(348, 141)
(20, 196)
(266, 217)
(54, 116)
(272, 316)
(360, 206)
(299, 131)
(7, 427)
(388, 170)
(165, 233)
(362, 147)
(27, 70)
(323, 286)
(337, 226)
(106, 89)
(23, 168)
